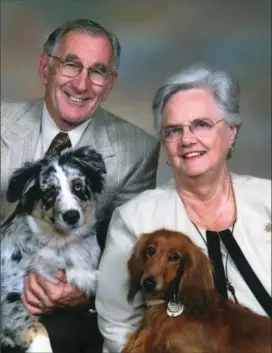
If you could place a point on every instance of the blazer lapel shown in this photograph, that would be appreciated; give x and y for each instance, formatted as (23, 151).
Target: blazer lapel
(249, 216)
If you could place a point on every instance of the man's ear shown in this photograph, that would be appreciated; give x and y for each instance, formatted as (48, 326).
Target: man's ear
(43, 67)
(110, 85)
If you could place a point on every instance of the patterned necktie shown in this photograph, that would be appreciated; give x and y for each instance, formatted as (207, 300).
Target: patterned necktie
(59, 143)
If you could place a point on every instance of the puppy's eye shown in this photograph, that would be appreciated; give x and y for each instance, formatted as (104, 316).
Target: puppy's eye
(150, 251)
(50, 193)
(77, 186)
(175, 257)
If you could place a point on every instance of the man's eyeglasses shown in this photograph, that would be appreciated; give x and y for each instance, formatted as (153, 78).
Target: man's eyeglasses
(73, 69)
(198, 127)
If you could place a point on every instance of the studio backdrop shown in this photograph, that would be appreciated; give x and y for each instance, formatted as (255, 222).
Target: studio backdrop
(158, 39)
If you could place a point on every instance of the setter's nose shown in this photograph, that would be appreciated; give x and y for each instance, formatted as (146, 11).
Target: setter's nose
(149, 284)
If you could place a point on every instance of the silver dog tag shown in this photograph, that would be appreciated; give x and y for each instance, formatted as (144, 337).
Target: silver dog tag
(174, 308)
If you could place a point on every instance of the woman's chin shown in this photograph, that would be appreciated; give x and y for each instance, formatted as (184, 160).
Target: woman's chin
(195, 172)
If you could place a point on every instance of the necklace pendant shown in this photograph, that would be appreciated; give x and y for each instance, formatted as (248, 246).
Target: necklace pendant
(174, 308)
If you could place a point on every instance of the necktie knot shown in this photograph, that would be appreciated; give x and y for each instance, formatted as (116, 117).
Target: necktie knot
(60, 142)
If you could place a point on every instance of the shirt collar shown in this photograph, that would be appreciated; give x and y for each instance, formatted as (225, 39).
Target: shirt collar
(50, 130)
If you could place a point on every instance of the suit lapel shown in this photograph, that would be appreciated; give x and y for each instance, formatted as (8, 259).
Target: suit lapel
(20, 139)
(97, 135)
(20, 136)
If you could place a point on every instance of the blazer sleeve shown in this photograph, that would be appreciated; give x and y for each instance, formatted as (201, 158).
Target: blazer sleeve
(117, 318)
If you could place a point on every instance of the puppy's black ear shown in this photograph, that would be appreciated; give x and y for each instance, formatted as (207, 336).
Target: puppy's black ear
(21, 180)
(92, 163)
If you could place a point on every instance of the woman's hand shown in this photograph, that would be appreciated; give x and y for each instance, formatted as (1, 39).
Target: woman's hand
(42, 296)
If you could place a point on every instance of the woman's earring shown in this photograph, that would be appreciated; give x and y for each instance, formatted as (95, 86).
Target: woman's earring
(168, 163)
(229, 154)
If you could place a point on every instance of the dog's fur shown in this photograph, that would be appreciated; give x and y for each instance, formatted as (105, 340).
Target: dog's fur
(53, 228)
(164, 263)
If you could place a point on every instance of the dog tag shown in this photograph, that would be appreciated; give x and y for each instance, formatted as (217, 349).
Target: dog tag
(174, 308)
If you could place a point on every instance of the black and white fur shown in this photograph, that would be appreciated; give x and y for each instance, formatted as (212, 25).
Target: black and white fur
(53, 228)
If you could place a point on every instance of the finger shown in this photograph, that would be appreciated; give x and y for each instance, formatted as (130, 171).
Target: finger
(72, 296)
(35, 293)
(53, 291)
(32, 309)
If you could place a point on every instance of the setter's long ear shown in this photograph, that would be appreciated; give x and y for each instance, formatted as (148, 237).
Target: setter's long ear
(136, 265)
(196, 285)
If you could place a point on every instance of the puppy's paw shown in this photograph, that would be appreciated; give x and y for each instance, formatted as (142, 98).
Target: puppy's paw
(86, 281)
(41, 344)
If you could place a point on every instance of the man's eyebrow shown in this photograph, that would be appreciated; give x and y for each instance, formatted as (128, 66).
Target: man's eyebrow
(201, 118)
(71, 57)
(100, 66)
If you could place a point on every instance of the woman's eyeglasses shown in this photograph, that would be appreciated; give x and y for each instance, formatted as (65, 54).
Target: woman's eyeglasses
(198, 127)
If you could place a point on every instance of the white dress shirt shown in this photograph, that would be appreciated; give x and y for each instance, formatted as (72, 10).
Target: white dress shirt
(49, 130)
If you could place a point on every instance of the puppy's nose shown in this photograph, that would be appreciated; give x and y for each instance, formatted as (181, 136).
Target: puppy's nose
(71, 217)
(149, 284)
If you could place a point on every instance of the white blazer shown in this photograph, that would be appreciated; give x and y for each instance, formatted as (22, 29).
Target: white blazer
(162, 208)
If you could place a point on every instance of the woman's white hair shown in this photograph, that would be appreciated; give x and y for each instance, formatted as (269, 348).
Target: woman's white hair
(221, 85)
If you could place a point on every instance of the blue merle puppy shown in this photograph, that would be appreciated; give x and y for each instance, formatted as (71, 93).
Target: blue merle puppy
(52, 228)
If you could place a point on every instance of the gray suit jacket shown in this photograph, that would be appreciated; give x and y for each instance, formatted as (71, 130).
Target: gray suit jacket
(130, 154)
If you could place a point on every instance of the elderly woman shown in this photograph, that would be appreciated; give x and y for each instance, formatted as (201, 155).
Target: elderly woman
(196, 113)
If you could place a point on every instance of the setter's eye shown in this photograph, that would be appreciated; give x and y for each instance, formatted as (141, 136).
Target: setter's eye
(150, 251)
(174, 257)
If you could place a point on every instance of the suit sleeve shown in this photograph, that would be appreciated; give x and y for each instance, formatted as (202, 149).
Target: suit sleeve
(141, 176)
(117, 318)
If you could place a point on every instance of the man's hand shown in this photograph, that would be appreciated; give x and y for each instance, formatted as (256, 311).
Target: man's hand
(43, 296)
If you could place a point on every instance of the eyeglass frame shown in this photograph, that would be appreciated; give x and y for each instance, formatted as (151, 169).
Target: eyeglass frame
(190, 128)
(82, 67)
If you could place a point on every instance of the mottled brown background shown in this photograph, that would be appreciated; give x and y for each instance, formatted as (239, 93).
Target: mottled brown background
(158, 38)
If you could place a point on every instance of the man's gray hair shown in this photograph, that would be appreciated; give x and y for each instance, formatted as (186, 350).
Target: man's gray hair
(221, 85)
(88, 27)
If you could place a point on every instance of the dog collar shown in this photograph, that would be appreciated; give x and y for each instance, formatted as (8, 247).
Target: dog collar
(152, 302)
(174, 308)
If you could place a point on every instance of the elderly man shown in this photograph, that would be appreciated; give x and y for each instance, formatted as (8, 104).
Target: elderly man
(78, 68)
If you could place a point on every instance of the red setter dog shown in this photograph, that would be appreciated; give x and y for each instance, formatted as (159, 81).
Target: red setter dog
(165, 264)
